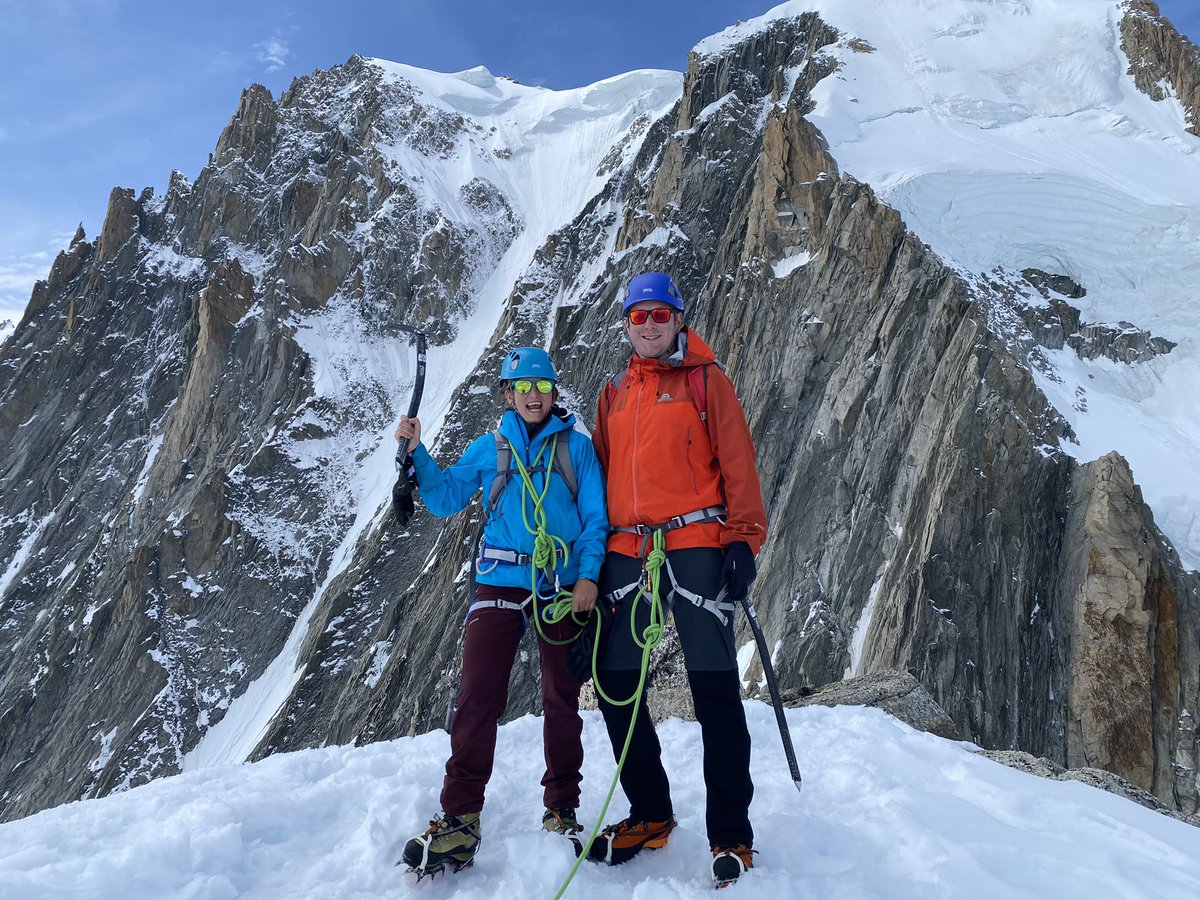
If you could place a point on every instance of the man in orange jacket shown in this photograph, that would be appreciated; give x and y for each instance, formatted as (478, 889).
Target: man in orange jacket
(672, 439)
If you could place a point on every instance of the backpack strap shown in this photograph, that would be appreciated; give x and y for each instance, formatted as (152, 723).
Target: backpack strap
(503, 473)
(697, 378)
(610, 388)
(561, 464)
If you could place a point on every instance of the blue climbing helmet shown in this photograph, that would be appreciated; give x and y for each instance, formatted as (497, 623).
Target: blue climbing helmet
(652, 286)
(527, 362)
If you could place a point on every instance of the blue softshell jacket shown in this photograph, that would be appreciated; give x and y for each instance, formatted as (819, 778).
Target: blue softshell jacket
(582, 523)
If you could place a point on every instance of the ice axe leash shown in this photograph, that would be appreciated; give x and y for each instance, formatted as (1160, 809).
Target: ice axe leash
(773, 688)
(402, 491)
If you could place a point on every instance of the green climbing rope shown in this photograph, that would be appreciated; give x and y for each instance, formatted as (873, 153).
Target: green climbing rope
(650, 637)
(546, 548)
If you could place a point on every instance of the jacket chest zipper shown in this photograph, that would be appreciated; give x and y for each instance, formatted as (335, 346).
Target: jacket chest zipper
(637, 414)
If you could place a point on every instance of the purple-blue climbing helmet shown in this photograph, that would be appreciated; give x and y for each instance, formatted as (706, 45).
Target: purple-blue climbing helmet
(652, 286)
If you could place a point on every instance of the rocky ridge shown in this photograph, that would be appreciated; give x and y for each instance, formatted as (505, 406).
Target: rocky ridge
(922, 518)
(166, 525)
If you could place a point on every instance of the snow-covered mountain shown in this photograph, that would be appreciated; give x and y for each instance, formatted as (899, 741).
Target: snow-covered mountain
(1011, 136)
(886, 812)
(944, 249)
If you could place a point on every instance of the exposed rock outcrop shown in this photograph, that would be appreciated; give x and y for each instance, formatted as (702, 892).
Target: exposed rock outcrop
(896, 693)
(1128, 618)
(1059, 324)
(1161, 58)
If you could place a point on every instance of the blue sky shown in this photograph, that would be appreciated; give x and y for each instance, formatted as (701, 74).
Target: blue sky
(105, 93)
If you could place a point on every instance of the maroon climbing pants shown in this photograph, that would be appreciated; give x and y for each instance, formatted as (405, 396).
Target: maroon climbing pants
(489, 647)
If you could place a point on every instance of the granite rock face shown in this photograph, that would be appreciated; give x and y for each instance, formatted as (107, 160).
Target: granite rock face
(1161, 60)
(178, 474)
(1131, 627)
(187, 412)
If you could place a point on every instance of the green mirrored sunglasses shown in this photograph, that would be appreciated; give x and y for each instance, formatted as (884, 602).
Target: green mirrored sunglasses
(525, 385)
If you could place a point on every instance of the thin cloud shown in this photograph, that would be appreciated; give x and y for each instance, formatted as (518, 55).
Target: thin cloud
(273, 51)
(16, 285)
(20, 270)
(222, 63)
(15, 290)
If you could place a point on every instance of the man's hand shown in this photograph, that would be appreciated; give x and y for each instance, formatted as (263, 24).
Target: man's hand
(739, 569)
(583, 596)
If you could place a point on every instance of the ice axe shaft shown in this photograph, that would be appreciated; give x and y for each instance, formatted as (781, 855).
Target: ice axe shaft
(773, 688)
(403, 490)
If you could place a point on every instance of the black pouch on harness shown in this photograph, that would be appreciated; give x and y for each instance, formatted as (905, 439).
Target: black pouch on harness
(579, 654)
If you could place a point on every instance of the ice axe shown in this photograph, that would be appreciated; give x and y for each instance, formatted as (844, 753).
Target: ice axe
(764, 656)
(402, 501)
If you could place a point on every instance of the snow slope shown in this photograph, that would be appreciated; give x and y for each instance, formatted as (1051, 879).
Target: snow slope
(886, 812)
(544, 151)
(1008, 134)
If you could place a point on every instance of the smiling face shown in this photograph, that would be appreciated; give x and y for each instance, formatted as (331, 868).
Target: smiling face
(652, 339)
(533, 407)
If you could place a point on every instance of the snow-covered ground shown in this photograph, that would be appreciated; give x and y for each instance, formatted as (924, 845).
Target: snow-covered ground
(886, 812)
(1008, 133)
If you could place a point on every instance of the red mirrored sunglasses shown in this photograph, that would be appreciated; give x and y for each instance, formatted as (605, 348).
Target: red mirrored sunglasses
(661, 315)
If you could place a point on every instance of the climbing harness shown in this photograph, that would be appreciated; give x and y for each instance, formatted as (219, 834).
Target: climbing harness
(718, 606)
(707, 514)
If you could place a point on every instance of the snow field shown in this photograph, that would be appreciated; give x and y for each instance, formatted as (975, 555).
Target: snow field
(886, 811)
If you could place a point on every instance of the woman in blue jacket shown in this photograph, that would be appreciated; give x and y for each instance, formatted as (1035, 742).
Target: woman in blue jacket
(543, 538)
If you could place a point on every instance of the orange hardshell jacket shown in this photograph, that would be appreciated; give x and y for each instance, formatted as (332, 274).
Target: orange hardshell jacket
(661, 460)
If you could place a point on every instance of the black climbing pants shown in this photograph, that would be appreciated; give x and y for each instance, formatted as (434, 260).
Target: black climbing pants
(711, 663)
